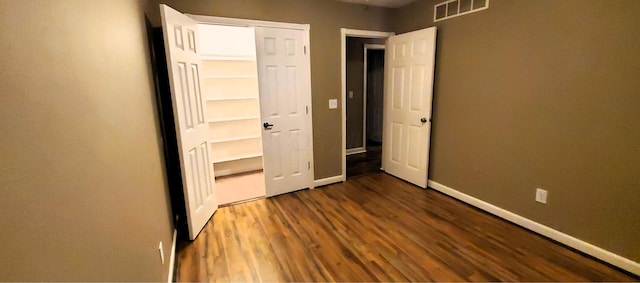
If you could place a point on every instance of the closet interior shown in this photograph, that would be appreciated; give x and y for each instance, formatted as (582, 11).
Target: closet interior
(230, 85)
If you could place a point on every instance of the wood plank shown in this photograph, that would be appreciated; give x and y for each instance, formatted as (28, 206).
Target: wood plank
(376, 228)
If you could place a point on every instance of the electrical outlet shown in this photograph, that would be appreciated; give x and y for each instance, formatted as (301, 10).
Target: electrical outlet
(541, 195)
(161, 250)
(351, 94)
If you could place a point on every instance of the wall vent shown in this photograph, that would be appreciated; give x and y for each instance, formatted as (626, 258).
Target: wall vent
(454, 8)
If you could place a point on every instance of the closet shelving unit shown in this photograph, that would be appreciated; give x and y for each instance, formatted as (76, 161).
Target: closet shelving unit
(230, 86)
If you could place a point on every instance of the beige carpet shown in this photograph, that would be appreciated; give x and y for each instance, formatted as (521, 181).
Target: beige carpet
(239, 187)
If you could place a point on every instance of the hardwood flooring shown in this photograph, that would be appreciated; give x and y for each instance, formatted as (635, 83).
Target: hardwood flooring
(376, 228)
(365, 163)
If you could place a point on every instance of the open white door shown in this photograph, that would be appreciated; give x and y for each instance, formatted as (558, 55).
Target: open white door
(285, 103)
(409, 68)
(181, 45)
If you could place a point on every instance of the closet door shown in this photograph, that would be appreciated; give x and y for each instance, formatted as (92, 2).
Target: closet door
(181, 44)
(285, 102)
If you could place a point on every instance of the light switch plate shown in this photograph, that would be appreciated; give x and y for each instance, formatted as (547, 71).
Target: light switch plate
(333, 104)
(541, 195)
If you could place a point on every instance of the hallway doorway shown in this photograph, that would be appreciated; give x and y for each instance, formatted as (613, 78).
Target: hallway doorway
(362, 111)
(364, 127)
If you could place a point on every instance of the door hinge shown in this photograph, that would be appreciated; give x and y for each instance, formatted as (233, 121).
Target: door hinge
(308, 165)
(305, 50)
(307, 109)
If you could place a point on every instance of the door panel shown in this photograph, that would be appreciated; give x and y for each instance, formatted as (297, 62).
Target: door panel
(414, 141)
(188, 108)
(398, 88)
(418, 88)
(409, 69)
(275, 164)
(291, 83)
(269, 92)
(285, 100)
(396, 142)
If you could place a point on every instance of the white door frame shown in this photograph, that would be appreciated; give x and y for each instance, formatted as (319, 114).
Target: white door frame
(344, 33)
(268, 24)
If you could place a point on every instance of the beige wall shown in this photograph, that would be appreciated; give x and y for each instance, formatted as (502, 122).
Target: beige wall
(528, 94)
(83, 193)
(326, 17)
(355, 83)
(542, 94)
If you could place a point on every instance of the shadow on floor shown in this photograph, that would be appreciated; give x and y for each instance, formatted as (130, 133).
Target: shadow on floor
(367, 162)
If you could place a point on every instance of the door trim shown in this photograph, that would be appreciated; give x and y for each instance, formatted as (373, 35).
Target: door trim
(247, 22)
(307, 43)
(356, 150)
(327, 181)
(172, 258)
(344, 33)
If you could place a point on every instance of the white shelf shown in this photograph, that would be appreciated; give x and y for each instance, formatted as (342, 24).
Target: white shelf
(227, 58)
(231, 77)
(234, 119)
(236, 139)
(227, 159)
(233, 98)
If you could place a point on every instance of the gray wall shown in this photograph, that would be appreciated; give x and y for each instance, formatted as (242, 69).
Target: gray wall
(84, 196)
(527, 94)
(542, 94)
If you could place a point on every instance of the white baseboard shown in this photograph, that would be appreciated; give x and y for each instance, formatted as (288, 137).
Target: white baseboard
(568, 240)
(328, 181)
(356, 150)
(172, 259)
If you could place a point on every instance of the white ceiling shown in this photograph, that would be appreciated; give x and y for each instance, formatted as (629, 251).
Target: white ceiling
(381, 3)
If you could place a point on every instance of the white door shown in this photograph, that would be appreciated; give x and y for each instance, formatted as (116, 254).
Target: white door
(181, 44)
(409, 67)
(285, 104)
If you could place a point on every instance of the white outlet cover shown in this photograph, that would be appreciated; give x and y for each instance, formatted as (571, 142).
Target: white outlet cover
(541, 195)
(351, 94)
(333, 104)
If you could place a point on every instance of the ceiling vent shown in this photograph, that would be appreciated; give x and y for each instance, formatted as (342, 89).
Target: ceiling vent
(454, 8)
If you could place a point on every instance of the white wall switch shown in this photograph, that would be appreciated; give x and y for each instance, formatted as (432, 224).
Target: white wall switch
(333, 103)
(351, 94)
(541, 195)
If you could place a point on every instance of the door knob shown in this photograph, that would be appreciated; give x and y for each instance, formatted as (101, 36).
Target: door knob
(267, 126)
(423, 120)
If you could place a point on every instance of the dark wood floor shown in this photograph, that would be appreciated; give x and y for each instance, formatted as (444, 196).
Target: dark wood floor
(365, 163)
(375, 228)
